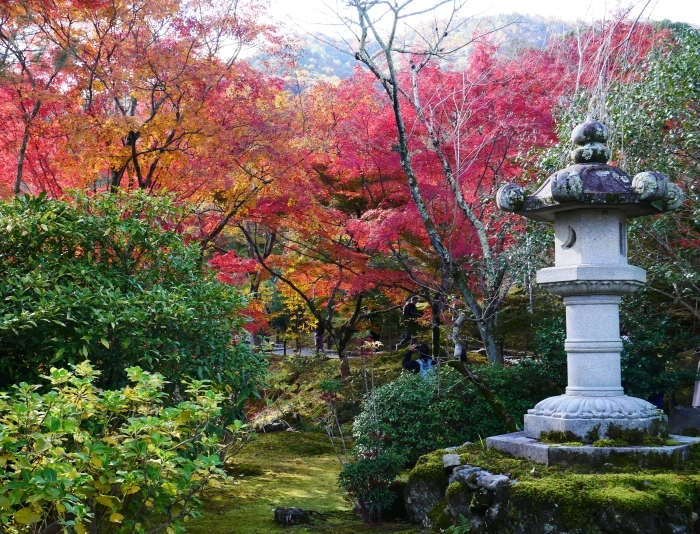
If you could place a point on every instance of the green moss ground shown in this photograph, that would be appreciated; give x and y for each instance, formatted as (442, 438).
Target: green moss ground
(282, 469)
(300, 468)
(295, 385)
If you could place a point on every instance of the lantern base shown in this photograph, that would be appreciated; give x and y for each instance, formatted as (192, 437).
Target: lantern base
(666, 456)
(588, 419)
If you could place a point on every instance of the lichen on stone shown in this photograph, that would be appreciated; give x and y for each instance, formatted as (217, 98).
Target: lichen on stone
(454, 489)
(429, 467)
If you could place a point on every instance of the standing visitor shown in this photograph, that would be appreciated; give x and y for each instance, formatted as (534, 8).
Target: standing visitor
(410, 321)
(696, 393)
(318, 336)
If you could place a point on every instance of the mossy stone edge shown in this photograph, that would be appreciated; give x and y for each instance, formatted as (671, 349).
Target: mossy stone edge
(576, 499)
(672, 453)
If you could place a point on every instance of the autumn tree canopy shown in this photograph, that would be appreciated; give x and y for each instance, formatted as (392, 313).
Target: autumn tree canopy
(320, 188)
(136, 94)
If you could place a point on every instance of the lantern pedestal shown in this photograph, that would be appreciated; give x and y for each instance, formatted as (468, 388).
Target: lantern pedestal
(594, 405)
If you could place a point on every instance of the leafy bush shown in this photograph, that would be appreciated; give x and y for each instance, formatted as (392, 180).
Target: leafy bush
(102, 277)
(78, 459)
(367, 481)
(418, 415)
(548, 345)
(462, 527)
(653, 361)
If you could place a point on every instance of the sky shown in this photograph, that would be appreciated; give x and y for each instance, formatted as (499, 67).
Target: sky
(317, 15)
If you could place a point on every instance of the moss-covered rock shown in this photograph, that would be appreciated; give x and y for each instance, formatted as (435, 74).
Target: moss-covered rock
(425, 487)
(429, 467)
(560, 499)
(459, 499)
(421, 495)
(482, 500)
(439, 516)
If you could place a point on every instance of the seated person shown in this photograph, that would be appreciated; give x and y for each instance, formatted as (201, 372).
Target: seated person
(423, 365)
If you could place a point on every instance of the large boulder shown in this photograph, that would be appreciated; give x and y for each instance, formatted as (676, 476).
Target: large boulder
(549, 501)
(425, 488)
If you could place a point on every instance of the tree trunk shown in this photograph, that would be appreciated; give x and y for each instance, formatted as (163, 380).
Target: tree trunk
(493, 352)
(459, 348)
(341, 345)
(344, 368)
(23, 148)
(436, 309)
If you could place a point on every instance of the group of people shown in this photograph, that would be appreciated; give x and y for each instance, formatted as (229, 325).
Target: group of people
(425, 363)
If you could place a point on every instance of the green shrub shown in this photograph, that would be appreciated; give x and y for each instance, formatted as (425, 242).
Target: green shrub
(549, 350)
(101, 277)
(368, 479)
(652, 361)
(418, 415)
(462, 527)
(78, 459)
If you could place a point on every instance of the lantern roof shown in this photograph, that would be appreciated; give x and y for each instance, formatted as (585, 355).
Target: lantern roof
(591, 183)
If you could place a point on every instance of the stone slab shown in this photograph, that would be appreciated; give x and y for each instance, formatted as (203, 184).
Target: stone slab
(682, 418)
(519, 445)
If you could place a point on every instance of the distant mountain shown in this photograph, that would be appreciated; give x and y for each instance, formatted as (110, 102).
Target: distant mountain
(325, 57)
(322, 57)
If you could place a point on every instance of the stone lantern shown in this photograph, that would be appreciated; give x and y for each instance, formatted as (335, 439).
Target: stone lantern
(589, 203)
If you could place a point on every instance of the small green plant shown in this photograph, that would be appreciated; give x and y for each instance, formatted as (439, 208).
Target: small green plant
(462, 527)
(78, 459)
(331, 390)
(610, 443)
(367, 481)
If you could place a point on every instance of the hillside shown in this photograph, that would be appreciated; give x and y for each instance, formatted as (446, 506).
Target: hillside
(325, 57)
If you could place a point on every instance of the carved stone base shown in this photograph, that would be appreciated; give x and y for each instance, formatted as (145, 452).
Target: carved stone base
(592, 418)
(667, 456)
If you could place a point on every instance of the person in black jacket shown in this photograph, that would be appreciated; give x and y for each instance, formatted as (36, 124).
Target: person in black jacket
(410, 321)
(423, 365)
